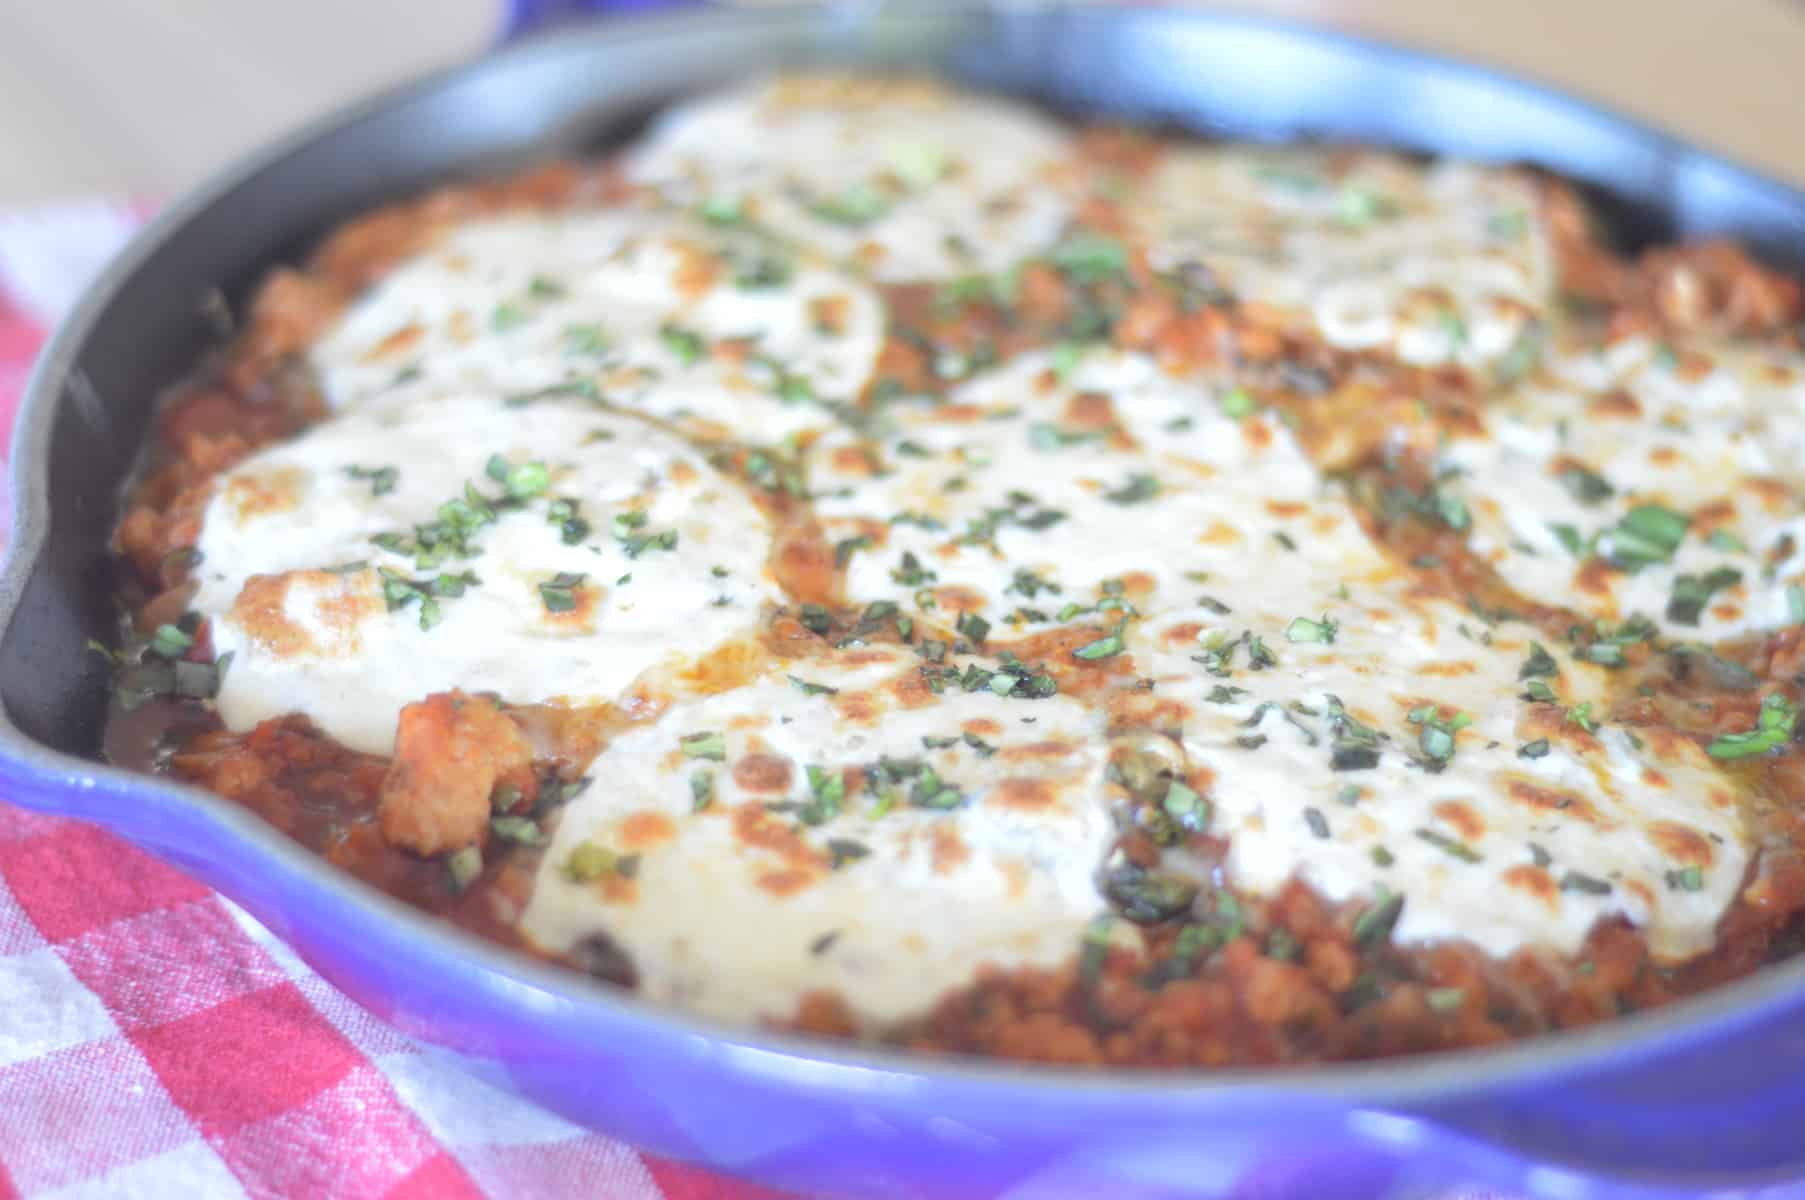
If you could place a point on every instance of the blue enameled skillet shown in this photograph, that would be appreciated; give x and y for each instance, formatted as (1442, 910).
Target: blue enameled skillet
(1706, 1096)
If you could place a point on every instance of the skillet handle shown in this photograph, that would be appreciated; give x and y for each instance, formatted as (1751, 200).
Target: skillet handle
(523, 17)
(1712, 1105)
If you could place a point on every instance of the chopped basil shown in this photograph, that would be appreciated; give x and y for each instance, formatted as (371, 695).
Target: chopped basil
(1104, 647)
(170, 641)
(1445, 999)
(1774, 726)
(1358, 206)
(1028, 584)
(721, 210)
(979, 746)
(827, 796)
(1586, 486)
(521, 830)
(816, 619)
(1376, 921)
(560, 591)
(1647, 534)
(685, 345)
(523, 481)
(160, 669)
(701, 789)
(1579, 881)
(1355, 746)
(463, 867)
(1539, 663)
(1692, 592)
(1451, 510)
(911, 573)
(1147, 898)
(1045, 436)
(398, 591)
(584, 388)
(626, 528)
(708, 744)
(1187, 809)
(1319, 824)
(1569, 539)
(1066, 356)
(1302, 629)
(589, 861)
(1506, 224)
(1236, 403)
(756, 268)
(845, 850)
(1723, 539)
(1535, 749)
(1581, 715)
(857, 204)
(1605, 654)
(1089, 258)
(813, 689)
(572, 528)
(1095, 950)
(1140, 487)
(1451, 846)
(1382, 857)
(845, 548)
(585, 339)
(1686, 879)
(972, 626)
(382, 480)
(1435, 733)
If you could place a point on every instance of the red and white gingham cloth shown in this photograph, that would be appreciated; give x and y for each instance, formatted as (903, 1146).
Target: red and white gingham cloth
(155, 1041)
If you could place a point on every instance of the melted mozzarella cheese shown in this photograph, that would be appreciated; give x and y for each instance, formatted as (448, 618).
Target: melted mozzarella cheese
(1705, 441)
(904, 178)
(739, 911)
(310, 631)
(627, 304)
(1119, 472)
(1446, 263)
(1504, 849)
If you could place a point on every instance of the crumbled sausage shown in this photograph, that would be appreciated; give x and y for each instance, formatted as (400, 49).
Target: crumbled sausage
(451, 750)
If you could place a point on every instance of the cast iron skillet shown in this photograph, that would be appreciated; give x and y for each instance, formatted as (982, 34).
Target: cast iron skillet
(1709, 1094)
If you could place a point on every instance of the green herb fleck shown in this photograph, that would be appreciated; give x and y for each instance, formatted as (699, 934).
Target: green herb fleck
(708, 744)
(1302, 629)
(560, 591)
(382, 480)
(1773, 729)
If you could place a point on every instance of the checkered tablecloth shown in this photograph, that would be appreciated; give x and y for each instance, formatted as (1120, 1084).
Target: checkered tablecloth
(155, 1041)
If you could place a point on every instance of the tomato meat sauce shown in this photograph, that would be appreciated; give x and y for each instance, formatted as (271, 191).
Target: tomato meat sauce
(455, 818)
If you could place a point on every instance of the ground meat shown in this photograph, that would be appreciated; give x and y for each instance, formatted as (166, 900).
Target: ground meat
(451, 751)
